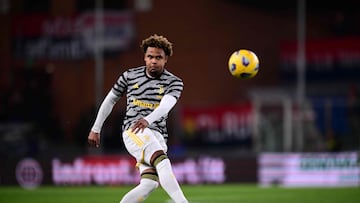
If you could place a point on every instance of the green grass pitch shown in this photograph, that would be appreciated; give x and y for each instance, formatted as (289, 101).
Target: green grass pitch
(230, 193)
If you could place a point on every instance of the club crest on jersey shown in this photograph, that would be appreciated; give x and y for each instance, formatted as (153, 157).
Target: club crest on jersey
(161, 92)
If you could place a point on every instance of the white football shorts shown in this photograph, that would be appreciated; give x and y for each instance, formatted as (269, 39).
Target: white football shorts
(143, 145)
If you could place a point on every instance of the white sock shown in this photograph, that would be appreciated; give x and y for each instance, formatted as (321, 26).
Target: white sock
(140, 192)
(168, 181)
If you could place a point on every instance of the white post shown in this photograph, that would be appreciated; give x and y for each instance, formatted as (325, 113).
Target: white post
(301, 66)
(99, 61)
(287, 126)
(256, 126)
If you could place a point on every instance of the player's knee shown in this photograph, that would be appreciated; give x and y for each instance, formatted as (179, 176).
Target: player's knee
(149, 184)
(157, 159)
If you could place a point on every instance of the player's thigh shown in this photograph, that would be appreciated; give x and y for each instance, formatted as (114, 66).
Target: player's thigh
(141, 145)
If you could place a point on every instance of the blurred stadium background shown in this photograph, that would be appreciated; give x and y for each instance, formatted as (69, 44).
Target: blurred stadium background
(297, 123)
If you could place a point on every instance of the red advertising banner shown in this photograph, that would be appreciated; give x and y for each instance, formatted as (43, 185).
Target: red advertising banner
(345, 50)
(326, 59)
(227, 124)
(101, 170)
(106, 169)
(121, 170)
(42, 36)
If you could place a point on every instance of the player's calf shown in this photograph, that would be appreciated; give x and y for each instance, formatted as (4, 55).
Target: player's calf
(166, 177)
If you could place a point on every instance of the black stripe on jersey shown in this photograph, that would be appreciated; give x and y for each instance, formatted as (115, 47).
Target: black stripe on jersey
(150, 97)
(120, 87)
(135, 78)
(175, 79)
(118, 92)
(141, 85)
(176, 83)
(123, 81)
(122, 76)
(177, 86)
(177, 89)
(167, 73)
(141, 91)
(137, 70)
(122, 84)
(144, 83)
(140, 113)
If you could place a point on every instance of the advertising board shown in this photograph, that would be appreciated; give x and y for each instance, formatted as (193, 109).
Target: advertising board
(309, 169)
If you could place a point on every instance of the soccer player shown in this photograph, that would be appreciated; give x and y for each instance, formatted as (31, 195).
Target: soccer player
(151, 92)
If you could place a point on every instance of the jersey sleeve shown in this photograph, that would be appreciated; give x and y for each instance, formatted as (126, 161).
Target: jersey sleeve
(175, 88)
(166, 104)
(120, 85)
(104, 111)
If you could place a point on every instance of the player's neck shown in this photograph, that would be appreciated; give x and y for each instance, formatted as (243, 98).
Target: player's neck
(153, 76)
(150, 76)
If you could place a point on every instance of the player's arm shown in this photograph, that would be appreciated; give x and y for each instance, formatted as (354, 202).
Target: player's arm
(166, 104)
(105, 109)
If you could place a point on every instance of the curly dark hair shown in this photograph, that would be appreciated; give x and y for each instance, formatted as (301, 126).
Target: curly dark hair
(157, 41)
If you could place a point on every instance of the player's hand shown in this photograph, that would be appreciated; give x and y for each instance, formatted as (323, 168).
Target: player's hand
(139, 126)
(94, 139)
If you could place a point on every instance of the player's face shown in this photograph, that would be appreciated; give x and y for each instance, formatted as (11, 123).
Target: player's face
(155, 60)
